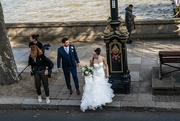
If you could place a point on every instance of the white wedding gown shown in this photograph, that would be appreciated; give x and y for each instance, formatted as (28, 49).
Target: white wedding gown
(97, 90)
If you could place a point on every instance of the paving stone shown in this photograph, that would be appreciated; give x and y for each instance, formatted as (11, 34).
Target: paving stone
(82, 50)
(135, 84)
(167, 83)
(81, 83)
(61, 77)
(20, 50)
(11, 100)
(135, 104)
(155, 72)
(163, 98)
(114, 104)
(134, 67)
(146, 84)
(167, 105)
(79, 71)
(134, 75)
(135, 90)
(146, 73)
(66, 89)
(177, 98)
(53, 95)
(74, 96)
(55, 88)
(63, 95)
(134, 60)
(155, 98)
(118, 97)
(31, 101)
(134, 54)
(150, 54)
(149, 61)
(131, 97)
(59, 83)
(145, 97)
(34, 104)
(146, 90)
(70, 102)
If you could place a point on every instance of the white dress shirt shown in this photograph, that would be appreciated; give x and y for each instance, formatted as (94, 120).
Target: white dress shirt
(66, 49)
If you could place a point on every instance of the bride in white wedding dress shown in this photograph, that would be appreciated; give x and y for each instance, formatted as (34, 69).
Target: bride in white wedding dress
(97, 90)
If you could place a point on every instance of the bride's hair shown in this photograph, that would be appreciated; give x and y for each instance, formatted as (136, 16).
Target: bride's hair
(97, 51)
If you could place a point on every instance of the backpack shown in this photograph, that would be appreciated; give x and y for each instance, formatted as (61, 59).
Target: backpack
(50, 67)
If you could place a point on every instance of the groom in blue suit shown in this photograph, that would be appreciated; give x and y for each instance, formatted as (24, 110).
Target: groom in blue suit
(68, 56)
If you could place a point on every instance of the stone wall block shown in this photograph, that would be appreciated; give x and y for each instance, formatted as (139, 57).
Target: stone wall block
(55, 31)
(28, 31)
(81, 31)
(11, 32)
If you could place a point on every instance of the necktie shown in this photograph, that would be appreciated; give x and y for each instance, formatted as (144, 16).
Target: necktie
(67, 50)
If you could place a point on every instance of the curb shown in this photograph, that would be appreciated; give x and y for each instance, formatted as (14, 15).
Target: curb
(32, 104)
(77, 108)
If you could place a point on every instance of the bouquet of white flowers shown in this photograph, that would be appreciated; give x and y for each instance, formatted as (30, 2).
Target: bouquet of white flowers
(87, 70)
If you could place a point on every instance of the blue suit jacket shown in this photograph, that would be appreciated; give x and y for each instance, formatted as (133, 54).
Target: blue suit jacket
(61, 55)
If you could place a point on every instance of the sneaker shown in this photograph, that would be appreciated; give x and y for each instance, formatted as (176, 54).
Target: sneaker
(48, 100)
(39, 99)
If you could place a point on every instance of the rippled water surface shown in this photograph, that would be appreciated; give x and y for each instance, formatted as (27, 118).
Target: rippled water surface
(80, 10)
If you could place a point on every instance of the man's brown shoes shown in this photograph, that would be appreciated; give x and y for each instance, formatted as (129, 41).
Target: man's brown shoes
(78, 92)
(70, 91)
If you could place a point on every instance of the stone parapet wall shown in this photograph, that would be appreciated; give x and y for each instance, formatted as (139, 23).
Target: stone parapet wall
(89, 30)
(157, 29)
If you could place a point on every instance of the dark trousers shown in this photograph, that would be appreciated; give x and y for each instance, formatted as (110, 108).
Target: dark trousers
(73, 71)
(39, 76)
(129, 30)
(174, 10)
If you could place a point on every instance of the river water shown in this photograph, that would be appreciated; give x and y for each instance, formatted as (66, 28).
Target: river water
(19, 11)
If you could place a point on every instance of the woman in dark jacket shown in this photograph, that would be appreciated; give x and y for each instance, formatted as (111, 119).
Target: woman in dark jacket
(39, 68)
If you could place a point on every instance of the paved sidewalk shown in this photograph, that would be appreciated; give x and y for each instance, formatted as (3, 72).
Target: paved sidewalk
(142, 56)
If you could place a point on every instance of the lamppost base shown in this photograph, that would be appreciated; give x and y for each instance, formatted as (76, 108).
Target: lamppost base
(121, 86)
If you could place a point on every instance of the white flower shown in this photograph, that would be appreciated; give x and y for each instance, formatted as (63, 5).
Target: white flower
(72, 47)
(91, 68)
(83, 68)
(86, 72)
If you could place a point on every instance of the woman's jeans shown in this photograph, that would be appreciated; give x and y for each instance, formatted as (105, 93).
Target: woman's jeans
(40, 76)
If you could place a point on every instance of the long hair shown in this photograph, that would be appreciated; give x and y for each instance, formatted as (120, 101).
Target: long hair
(35, 51)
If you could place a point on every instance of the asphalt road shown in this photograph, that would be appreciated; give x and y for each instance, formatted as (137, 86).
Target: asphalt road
(51, 115)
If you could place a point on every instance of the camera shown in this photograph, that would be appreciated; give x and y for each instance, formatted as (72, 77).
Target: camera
(46, 46)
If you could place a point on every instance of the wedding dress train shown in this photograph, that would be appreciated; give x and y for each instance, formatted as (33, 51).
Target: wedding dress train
(97, 90)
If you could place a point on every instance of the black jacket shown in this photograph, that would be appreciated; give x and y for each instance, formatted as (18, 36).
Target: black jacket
(40, 64)
(129, 19)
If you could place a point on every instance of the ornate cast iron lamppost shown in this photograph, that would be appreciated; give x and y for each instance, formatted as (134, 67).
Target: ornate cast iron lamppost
(115, 37)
